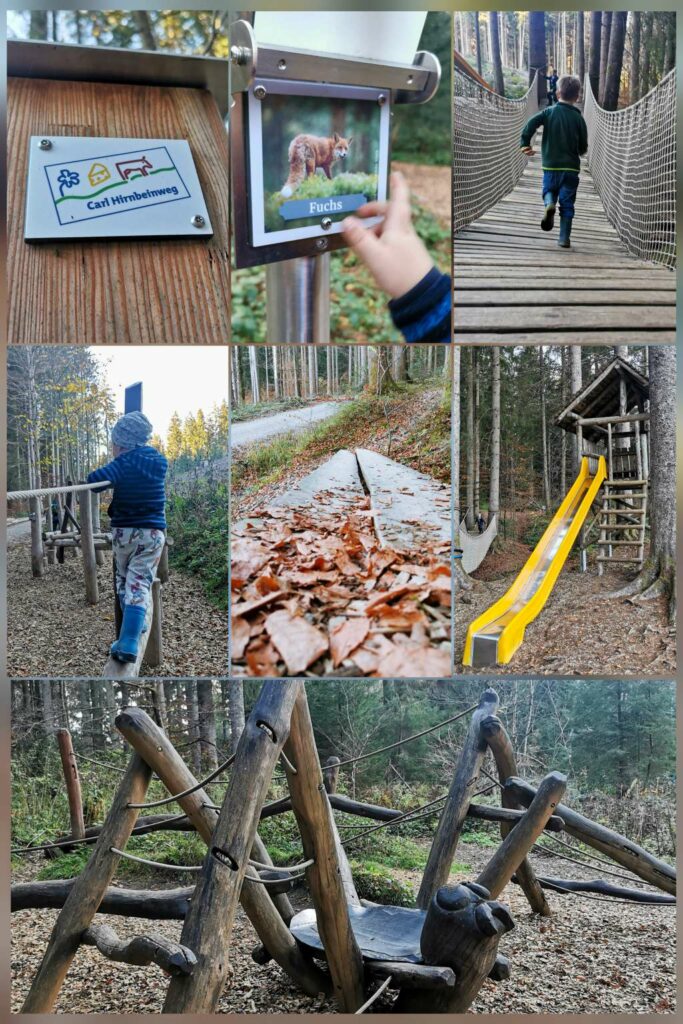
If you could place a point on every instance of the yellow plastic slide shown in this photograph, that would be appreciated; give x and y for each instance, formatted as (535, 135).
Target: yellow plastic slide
(494, 637)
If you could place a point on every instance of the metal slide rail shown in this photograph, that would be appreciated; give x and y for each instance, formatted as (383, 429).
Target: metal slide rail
(632, 157)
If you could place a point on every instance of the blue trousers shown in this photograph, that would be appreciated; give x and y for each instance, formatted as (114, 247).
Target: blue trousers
(563, 185)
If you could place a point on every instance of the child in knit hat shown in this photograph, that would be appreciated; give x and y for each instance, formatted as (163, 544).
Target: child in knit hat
(137, 513)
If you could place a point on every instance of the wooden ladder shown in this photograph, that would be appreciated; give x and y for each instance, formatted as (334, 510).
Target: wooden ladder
(622, 523)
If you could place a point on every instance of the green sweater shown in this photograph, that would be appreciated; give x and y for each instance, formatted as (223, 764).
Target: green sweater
(565, 136)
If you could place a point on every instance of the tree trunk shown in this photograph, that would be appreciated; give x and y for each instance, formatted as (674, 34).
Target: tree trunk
(615, 60)
(645, 54)
(498, 81)
(143, 25)
(236, 692)
(606, 31)
(380, 381)
(576, 384)
(207, 723)
(494, 480)
(477, 40)
(594, 52)
(580, 48)
(634, 71)
(544, 433)
(537, 55)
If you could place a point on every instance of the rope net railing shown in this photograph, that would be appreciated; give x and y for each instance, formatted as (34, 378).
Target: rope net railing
(632, 157)
(487, 159)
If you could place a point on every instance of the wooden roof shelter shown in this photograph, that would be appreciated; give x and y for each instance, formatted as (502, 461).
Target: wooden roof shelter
(614, 392)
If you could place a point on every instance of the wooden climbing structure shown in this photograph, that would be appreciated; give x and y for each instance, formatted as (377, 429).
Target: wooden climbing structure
(435, 956)
(610, 418)
(512, 283)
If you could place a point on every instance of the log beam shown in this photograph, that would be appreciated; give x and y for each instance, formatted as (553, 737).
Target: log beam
(141, 951)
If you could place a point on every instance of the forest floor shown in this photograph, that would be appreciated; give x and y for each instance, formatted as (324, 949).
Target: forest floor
(580, 631)
(601, 958)
(52, 631)
(431, 186)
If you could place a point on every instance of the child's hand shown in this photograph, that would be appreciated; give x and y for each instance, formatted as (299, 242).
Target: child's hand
(529, 150)
(391, 250)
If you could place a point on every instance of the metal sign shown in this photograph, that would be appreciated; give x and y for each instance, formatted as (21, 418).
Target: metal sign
(133, 398)
(104, 188)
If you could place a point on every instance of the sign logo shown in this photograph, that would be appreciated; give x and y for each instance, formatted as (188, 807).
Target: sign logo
(113, 184)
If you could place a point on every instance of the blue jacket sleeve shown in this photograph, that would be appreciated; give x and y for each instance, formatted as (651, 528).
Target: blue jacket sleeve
(424, 313)
(108, 472)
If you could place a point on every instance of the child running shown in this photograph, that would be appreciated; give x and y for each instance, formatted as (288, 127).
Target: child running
(137, 513)
(565, 140)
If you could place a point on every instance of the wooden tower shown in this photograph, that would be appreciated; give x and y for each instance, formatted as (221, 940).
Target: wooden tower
(610, 417)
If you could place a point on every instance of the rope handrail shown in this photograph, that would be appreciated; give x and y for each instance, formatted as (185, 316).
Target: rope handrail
(375, 995)
(187, 792)
(632, 157)
(487, 159)
(40, 492)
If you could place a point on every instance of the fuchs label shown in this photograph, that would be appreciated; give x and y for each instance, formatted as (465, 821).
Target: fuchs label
(297, 209)
(114, 183)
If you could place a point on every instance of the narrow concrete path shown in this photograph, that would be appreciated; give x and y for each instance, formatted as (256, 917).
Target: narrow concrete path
(265, 427)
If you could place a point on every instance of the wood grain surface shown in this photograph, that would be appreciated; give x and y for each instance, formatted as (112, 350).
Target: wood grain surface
(163, 292)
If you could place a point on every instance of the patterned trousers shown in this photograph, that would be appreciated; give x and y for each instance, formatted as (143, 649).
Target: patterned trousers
(136, 556)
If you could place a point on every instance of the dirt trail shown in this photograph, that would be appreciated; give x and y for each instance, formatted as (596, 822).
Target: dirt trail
(431, 186)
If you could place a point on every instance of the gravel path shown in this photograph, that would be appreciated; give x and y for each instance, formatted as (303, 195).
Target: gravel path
(590, 957)
(264, 427)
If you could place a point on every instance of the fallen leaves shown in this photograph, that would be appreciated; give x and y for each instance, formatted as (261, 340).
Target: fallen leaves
(315, 593)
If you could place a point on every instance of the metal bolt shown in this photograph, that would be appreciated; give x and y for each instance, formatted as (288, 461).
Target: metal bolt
(409, 80)
(381, 99)
(326, 223)
(321, 244)
(44, 144)
(282, 65)
(260, 92)
(239, 55)
(198, 221)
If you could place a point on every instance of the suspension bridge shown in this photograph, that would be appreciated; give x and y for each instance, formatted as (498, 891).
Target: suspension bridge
(512, 282)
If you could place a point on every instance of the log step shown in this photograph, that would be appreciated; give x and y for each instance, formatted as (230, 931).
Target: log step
(619, 561)
(626, 483)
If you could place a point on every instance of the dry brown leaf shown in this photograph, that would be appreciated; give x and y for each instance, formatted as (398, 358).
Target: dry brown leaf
(346, 636)
(299, 643)
(240, 635)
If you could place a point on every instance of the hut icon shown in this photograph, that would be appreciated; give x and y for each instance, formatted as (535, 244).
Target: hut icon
(98, 173)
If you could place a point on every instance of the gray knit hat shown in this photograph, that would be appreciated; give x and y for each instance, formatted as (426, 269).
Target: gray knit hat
(132, 431)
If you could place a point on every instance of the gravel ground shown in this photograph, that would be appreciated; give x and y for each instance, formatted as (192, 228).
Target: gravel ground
(51, 630)
(590, 957)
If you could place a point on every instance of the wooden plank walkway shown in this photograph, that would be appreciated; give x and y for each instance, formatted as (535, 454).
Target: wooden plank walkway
(514, 284)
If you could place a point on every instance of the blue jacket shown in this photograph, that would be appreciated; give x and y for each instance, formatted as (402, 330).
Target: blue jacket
(138, 476)
(424, 313)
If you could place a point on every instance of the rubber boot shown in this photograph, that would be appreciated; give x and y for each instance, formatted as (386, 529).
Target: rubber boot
(565, 232)
(549, 215)
(126, 647)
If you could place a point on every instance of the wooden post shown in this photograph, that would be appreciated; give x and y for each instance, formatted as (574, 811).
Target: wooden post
(73, 784)
(154, 651)
(498, 740)
(618, 847)
(321, 842)
(331, 774)
(462, 930)
(36, 537)
(455, 809)
(519, 840)
(95, 498)
(162, 568)
(148, 739)
(85, 897)
(88, 548)
(208, 926)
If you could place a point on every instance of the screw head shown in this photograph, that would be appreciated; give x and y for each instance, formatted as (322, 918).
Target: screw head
(260, 92)
(326, 223)
(321, 244)
(282, 65)
(381, 99)
(44, 144)
(198, 221)
(239, 54)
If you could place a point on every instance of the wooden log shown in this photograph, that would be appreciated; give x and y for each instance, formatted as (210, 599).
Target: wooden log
(597, 885)
(462, 930)
(36, 538)
(154, 650)
(496, 737)
(329, 875)
(88, 548)
(162, 568)
(519, 840)
(407, 975)
(51, 556)
(73, 783)
(269, 915)
(99, 551)
(173, 958)
(86, 895)
(604, 840)
(158, 905)
(208, 926)
(331, 774)
(115, 669)
(455, 809)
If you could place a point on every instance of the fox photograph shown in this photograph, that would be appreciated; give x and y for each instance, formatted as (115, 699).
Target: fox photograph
(321, 159)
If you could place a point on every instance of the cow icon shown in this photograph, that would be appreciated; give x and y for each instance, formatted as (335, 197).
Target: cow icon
(98, 174)
(140, 165)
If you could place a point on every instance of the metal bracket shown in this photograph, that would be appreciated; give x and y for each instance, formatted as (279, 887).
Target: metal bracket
(410, 83)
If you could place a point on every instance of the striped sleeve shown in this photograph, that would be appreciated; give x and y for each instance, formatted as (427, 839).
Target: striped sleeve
(424, 313)
(108, 472)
